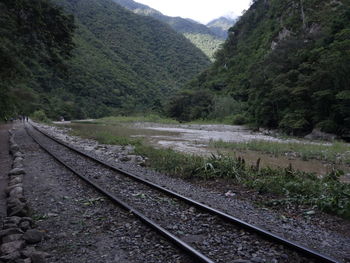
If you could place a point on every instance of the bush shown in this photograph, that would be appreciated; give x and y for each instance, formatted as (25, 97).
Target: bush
(40, 116)
(295, 123)
(225, 107)
(327, 126)
(239, 119)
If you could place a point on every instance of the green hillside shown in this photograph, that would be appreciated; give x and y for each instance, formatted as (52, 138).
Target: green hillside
(286, 65)
(121, 63)
(33, 46)
(200, 35)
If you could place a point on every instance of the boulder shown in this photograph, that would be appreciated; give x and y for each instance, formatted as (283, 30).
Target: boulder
(17, 208)
(33, 236)
(11, 247)
(11, 238)
(316, 134)
(9, 225)
(18, 158)
(10, 231)
(13, 219)
(16, 180)
(14, 148)
(18, 163)
(39, 257)
(25, 225)
(16, 171)
(10, 257)
(15, 191)
(18, 154)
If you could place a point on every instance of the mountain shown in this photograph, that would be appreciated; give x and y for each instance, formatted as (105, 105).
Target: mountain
(200, 35)
(36, 38)
(285, 65)
(221, 25)
(121, 63)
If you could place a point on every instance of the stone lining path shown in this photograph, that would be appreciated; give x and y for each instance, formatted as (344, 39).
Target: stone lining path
(5, 166)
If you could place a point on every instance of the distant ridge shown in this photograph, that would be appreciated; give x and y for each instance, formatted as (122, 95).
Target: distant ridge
(221, 25)
(206, 38)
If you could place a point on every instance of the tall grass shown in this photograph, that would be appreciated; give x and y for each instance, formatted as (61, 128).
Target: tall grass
(103, 135)
(289, 186)
(336, 152)
(142, 118)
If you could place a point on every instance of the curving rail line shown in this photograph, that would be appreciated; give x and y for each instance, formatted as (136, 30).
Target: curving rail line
(182, 245)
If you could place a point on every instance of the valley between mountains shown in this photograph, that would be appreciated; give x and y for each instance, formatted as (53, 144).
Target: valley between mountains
(111, 101)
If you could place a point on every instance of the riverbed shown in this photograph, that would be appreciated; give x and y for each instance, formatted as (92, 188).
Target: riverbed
(196, 139)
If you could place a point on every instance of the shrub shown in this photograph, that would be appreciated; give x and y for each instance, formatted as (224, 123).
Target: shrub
(327, 126)
(239, 119)
(40, 115)
(295, 123)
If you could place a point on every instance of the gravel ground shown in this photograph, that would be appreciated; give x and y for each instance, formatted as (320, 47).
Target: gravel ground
(218, 240)
(327, 234)
(80, 225)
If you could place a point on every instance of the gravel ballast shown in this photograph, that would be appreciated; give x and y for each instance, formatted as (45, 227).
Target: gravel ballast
(79, 224)
(327, 234)
(212, 236)
(73, 223)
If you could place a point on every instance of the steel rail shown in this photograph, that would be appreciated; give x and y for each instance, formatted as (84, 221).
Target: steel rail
(192, 252)
(231, 219)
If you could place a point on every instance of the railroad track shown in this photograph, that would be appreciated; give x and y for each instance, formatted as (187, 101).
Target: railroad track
(206, 234)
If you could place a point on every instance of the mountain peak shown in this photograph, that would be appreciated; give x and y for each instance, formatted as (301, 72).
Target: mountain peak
(221, 25)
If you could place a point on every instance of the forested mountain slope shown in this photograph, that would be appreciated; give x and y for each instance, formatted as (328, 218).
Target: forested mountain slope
(35, 41)
(200, 35)
(122, 62)
(221, 25)
(286, 64)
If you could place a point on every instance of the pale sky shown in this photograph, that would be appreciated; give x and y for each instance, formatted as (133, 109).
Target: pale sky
(200, 10)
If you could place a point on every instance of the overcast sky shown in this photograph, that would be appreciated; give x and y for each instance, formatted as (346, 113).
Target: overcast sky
(200, 10)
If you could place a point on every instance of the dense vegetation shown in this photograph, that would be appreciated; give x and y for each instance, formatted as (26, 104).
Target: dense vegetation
(205, 42)
(286, 64)
(208, 39)
(122, 62)
(35, 40)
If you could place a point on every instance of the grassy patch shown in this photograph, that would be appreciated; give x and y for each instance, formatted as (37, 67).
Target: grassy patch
(210, 122)
(141, 118)
(328, 194)
(103, 135)
(291, 186)
(336, 152)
